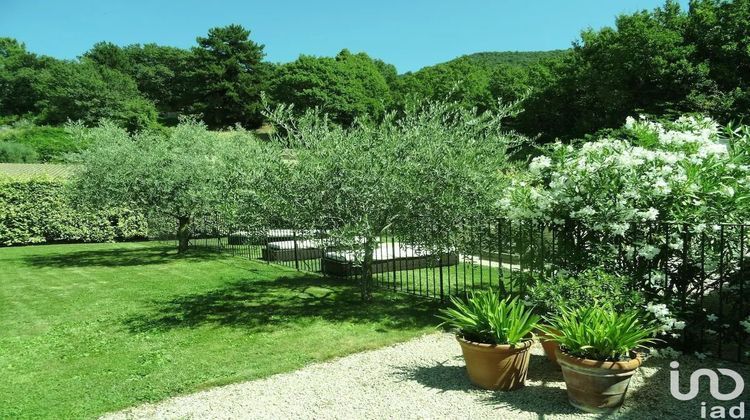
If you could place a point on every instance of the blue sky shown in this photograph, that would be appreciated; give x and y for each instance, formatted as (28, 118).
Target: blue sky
(408, 34)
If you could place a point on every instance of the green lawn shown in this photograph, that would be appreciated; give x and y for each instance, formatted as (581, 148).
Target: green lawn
(92, 328)
(457, 279)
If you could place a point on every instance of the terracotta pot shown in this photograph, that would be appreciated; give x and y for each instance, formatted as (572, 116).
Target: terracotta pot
(595, 386)
(495, 366)
(550, 347)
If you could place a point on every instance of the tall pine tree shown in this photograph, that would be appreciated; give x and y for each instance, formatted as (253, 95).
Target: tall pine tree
(228, 77)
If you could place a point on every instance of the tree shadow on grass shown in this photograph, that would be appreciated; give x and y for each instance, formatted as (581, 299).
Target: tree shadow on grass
(269, 304)
(122, 257)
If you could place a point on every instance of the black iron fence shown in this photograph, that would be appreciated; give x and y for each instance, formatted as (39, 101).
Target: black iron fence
(700, 270)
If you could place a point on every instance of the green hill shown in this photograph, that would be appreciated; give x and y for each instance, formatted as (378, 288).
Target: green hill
(518, 58)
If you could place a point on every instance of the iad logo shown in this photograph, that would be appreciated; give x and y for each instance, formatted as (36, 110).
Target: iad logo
(718, 411)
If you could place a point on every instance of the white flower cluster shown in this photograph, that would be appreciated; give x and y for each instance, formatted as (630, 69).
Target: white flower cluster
(539, 164)
(746, 325)
(667, 323)
(648, 252)
(665, 353)
(682, 170)
(622, 186)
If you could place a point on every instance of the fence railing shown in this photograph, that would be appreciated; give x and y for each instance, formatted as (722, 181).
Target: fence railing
(702, 270)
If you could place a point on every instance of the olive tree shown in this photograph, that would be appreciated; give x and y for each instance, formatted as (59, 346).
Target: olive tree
(188, 172)
(422, 174)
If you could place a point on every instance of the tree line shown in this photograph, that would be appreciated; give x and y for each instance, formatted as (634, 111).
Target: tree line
(663, 62)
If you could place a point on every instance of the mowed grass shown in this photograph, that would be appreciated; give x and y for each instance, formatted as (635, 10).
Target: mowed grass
(456, 279)
(88, 329)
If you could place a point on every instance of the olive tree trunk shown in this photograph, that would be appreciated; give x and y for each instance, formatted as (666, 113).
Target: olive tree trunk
(366, 278)
(183, 234)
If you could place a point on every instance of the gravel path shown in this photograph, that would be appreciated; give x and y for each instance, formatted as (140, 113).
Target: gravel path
(422, 378)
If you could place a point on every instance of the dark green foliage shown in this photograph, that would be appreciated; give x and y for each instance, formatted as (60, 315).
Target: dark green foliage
(56, 91)
(388, 71)
(227, 78)
(644, 65)
(590, 287)
(38, 211)
(345, 87)
(19, 71)
(51, 144)
(159, 71)
(11, 152)
(511, 58)
(88, 92)
(665, 62)
(511, 83)
(721, 34)
(462, 80)
(477, 80)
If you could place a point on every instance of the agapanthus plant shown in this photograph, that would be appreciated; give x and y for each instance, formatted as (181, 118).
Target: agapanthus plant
(600, 333)
(487, 318)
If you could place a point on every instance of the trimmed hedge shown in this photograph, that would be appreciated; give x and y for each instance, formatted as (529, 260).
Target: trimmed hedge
(35, 211)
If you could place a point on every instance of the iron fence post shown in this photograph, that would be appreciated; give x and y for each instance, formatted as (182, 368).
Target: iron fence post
(296, 257)
(440, 269)
(393, 255)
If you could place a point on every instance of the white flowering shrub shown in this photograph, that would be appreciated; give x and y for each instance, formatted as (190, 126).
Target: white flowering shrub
(746, 325)
(668, 353)
(668, 324)
(648, 202)
(685, 171)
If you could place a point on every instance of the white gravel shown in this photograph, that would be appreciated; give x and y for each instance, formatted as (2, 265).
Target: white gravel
(419, 379)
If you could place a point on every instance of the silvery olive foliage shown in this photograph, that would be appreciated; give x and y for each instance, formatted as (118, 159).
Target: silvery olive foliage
(182, 175)
(423, 175)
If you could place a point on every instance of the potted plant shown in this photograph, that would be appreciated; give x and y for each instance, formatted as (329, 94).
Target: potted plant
(550, 293)
(495, 338)
(598, 353)
(549, 346)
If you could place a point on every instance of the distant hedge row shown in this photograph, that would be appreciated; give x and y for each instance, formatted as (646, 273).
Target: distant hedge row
(29, 144)
(35, 211)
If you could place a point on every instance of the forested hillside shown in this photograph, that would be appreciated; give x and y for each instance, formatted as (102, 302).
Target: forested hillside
(513, 58)
(663, 62)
